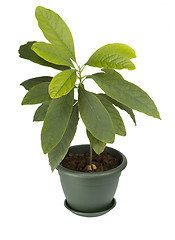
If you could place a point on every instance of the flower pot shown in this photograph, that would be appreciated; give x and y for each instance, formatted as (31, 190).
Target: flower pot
(91, 194)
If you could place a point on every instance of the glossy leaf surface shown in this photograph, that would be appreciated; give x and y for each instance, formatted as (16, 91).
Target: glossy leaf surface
(26, 52)
(57, 154)
(55, 30)
(117, 121)
(62, 83)
(95, 116)
(37, 94)
(96, 144)
(121, 106)
(114, 55)
(28, 84)
(53, 54)
(113, 84)
(41, 111)
(56, 121)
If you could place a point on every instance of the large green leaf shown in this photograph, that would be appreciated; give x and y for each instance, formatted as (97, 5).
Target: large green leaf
(62, 83)
(52, 54)
(56, 121)
(95, 116)
(117, 121)
(96, 144)
(41, 111)
(55, 30)
(26, 53)
(114, 55)
(121, 106)
(57, 154)
(28, 84)
(37, 94)
(113, 84)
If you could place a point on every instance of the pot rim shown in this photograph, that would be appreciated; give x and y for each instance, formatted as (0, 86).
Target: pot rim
(94, 174)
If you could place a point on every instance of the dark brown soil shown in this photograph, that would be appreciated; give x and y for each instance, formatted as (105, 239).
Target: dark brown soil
(80, 162)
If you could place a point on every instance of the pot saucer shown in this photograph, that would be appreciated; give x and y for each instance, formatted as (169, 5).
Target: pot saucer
(93, 214)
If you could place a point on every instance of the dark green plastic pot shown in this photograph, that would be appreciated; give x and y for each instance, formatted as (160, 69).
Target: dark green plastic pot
(91, 194)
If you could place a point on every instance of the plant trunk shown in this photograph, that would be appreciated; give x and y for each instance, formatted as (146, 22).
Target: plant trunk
(90, 155)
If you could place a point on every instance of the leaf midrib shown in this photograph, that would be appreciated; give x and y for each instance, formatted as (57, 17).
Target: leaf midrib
(64, 83)
(98, 118)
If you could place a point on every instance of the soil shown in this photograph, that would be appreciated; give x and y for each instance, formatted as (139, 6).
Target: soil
(80, 162)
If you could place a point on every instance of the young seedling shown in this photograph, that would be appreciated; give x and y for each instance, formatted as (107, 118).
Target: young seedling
(59, 110)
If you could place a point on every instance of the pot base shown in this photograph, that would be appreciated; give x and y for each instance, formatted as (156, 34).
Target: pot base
(93, 214)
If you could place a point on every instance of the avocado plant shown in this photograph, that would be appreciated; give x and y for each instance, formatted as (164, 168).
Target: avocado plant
(60, 110)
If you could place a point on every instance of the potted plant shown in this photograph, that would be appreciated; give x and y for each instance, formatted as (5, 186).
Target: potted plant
(89, 173)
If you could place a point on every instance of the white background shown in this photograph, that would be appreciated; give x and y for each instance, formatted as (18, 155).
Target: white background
(31, 200)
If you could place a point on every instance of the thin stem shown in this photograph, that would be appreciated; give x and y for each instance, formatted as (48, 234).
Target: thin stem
(75, 103)
(77, 64)
(79, 73)
(84, 78)
(82, 68)
(90, 155)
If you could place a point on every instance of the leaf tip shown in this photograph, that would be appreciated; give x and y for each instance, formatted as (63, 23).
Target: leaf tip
(159, 117)
(44, 148)
(23, 102)
(112, 140)
(38, 8)
(133, 67)
(52, 165)
(52, 169)
(33, 46)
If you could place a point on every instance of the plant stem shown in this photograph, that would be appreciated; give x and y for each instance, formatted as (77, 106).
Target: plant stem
(82, 68)
(90, 155)
(79, 71)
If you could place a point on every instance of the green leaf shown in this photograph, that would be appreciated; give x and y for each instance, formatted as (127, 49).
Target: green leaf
(62, 83)
(26, 53)
(113, 84)
(57, 154)
(114, 55)
(52, 54)
(56, 121)
(28, 84)
(95, 116)
(37, 94)
(96, 144)
(55, 30)
(121, 106)
(41, 111)
(117, 121)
